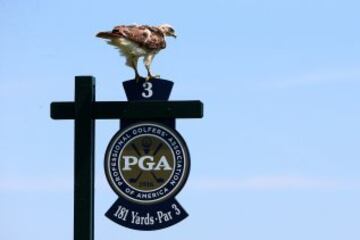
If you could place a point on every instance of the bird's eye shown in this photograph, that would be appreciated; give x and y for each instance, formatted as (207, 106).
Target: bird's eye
(171, 30)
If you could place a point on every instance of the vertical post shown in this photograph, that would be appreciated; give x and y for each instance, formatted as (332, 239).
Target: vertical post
(84, 158)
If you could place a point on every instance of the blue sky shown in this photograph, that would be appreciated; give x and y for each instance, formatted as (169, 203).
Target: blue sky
(276, 156)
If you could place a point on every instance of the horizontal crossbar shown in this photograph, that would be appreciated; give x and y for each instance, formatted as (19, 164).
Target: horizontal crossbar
(132, 110)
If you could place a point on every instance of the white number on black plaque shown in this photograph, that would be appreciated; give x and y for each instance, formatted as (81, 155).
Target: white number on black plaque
(147, 93)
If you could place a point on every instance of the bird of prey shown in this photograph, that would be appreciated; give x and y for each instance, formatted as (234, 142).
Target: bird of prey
(135, 41)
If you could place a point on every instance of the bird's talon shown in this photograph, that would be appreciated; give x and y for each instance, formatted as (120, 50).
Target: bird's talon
(137, 78)
(149, 77)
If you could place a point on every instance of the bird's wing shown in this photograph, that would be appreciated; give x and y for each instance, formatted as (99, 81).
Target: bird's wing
(146, 36)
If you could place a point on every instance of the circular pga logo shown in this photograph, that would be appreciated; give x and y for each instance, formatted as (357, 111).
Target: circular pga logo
(147, 163)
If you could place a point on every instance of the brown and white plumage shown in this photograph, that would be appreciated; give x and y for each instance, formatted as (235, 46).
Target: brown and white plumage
(135, 41)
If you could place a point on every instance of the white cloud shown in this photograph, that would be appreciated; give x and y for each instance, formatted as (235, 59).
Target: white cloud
(329, 76)
(44, 184)
(272, 183)
(34, 184)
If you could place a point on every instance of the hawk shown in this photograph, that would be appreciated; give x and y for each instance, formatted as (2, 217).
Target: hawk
(135, 41)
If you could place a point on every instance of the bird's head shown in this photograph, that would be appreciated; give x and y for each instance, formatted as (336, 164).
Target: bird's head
(167, 30)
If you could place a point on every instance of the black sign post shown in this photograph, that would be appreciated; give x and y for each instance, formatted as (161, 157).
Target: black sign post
(85, 110)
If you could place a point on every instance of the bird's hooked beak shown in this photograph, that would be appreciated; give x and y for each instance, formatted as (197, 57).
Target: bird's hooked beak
(172, 35)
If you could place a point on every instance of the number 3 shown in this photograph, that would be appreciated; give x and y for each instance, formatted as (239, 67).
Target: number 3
(147, 90)
(177, 210)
